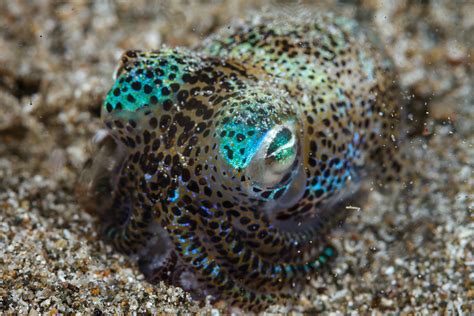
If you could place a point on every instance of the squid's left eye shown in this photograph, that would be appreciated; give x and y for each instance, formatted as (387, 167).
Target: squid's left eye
(275, 159)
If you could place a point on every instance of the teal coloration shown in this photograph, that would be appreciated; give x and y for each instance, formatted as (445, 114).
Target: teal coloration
(174, 197)
(329, 252)
(285, 154)
(129, 98)
(282, 138)
(239, 143)
(289, 270)
(147, 83)
(322, 259)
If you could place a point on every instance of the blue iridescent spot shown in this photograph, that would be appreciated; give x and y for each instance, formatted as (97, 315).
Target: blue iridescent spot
(289, 270)
(215, 271)
(322, 259)
(174, 196)
(329, 252)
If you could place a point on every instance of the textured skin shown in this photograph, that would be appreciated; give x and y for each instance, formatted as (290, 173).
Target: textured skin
(225, 167)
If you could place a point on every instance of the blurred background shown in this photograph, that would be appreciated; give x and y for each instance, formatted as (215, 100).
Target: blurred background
(56, 64)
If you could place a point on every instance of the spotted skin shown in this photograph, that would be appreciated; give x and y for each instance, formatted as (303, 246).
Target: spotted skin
(229, 164)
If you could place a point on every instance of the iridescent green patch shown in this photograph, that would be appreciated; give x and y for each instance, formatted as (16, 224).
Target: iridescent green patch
(285, 154)
(239, 142)
(275, 149)
(282, 138)
(148, 82)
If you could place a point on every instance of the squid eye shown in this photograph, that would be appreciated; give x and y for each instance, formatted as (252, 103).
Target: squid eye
(275, 158)
(281, 152)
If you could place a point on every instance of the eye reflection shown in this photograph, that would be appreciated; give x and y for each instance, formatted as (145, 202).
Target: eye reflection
(275, 157)
(281, 152)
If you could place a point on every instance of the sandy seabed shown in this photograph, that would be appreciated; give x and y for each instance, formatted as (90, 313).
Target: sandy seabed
(397, 255)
